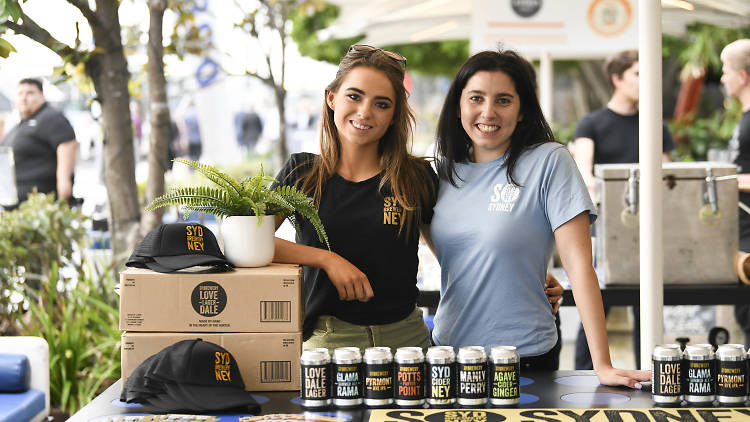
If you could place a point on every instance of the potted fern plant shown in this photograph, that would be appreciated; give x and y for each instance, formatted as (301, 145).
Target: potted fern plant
(241, 206)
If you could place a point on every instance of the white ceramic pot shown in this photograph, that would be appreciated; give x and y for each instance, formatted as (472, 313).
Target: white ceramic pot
(247, 244)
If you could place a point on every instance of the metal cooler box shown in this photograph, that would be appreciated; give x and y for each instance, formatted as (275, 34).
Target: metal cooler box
(700, 225)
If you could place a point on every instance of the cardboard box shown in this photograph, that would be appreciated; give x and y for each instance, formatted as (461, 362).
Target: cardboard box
(265, 299)
(267, 361)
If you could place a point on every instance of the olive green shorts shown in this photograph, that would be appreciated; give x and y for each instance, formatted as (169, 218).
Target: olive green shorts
(331, 332)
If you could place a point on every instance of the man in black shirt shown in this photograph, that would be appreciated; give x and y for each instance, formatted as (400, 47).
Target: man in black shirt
(735, 58)
(44, 145)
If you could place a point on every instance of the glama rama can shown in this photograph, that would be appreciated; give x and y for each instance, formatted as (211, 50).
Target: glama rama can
(347, 377)
(409, 376)
(504, 376)
(731, 374)
(666, 375)
(699, 375)
(315, 378)
(378, 377)
(472, 376)
(440, 376)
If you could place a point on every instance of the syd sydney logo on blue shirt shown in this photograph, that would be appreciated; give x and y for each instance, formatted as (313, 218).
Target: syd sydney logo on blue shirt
(503, 197)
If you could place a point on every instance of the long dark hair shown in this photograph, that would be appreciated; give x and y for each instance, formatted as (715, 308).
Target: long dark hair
(453, 143)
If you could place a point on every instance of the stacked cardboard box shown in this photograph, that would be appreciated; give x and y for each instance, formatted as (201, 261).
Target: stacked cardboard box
(254, 313)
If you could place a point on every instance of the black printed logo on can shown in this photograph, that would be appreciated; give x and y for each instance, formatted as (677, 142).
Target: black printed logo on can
(504, 381)
(315, 382)
(441, 382)
(472, 380)
(700, 378)
(409, 383)
(346, 382)
(378, 381)
(731, 379)
(209, 299)
(666, 378)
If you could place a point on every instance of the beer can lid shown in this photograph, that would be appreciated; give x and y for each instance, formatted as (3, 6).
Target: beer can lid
(441, 354)
(699, 351)
(504, 354)
(667, 352)
(471, 354)
(378, 355)
(409, 355)
(731, 352)
(347, 355)
(316, 356)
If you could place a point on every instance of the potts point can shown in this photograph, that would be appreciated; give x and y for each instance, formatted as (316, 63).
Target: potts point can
(666, 380)
(409, 376)
(440, 374)
(472, 376)
(315, 380)
(731, 374)
(699, 373)
(378, 376)
(347, 377)
(504, 376)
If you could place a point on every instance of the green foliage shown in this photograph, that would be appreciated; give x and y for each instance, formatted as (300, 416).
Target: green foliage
(9, 11)
(564, 134)
(251, 196)
(703, 45)
(435, 57)
(696, 136)
(306, 22)
(79, 320)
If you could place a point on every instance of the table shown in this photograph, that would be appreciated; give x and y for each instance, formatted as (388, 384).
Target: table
(550, 393)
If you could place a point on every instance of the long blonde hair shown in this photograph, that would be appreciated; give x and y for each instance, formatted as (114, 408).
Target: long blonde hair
(408, 176)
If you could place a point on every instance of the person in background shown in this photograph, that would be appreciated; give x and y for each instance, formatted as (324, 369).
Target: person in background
(735, 59)
(193, 132)
(610, 135)
(44, 145)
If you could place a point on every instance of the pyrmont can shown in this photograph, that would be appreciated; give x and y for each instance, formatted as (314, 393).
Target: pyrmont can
(699, 373)
(378, 376)
(731, 374)
(440, 374)
(315, 379)
(472, 376)
(666, 378)
(347, 377)
(504, 376)
(409, 376)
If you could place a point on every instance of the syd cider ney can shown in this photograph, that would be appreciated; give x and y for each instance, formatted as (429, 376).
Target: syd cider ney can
(440, 374)
(699, 387)
(378, 376)
(315, 368)
(472, 376)
(504, 376)
(409, 376)
(666, 381)
(731, 374)
(347, 377)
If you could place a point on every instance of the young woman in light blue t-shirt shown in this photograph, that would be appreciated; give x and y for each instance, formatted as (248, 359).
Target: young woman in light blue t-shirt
(508, 193)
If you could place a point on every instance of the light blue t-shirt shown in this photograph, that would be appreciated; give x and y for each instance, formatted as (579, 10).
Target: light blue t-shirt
(494, 240)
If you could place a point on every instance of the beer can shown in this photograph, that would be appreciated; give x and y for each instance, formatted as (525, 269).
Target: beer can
(472, 376)
(666, 380)
(347, 377)
(315, 378)
(378, 376)
(699, 373)
(440, 376)
(409, 376)
(504, 376)
(731, 374)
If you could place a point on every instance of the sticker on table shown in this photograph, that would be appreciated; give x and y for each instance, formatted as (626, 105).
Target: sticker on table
(592, 399)
(260, 399)
(525, 381)
(528, 398)
(579, 381)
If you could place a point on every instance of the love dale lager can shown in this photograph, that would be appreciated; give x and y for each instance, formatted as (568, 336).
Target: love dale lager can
(347, 377)
(504, 376)
(440, 374)
(378, 376)
(315, 378)
(731, 374)
(666, 375)
(472, 376)
(409, 376)
(699, 375)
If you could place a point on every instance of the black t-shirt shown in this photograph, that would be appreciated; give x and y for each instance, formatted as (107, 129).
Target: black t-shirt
(739, 147)
(34, 141)
(615, 136)
(362, 226)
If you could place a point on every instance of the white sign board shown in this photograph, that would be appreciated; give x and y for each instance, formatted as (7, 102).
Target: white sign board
(562, 28)
(8, 193)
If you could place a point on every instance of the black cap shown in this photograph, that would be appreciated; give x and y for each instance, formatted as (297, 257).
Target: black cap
(176, 246)
(190, 375)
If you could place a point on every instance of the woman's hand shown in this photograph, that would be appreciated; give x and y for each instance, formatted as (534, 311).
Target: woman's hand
(613, 376)
(350, 282)
(554, 290)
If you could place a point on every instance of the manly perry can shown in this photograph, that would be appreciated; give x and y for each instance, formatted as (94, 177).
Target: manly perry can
(315, 380)
(472, 376)
(440, 374)
(731, 374)
(409, 376)
(347, 377)
(378, 376)
(504, 376)
(666, 382)
(699, 374)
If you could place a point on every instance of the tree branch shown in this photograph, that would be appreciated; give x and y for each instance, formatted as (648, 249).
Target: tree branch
(32, 30)
(89, 14)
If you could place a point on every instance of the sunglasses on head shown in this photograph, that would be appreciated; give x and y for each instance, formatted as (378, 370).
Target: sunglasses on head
(364, 48)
